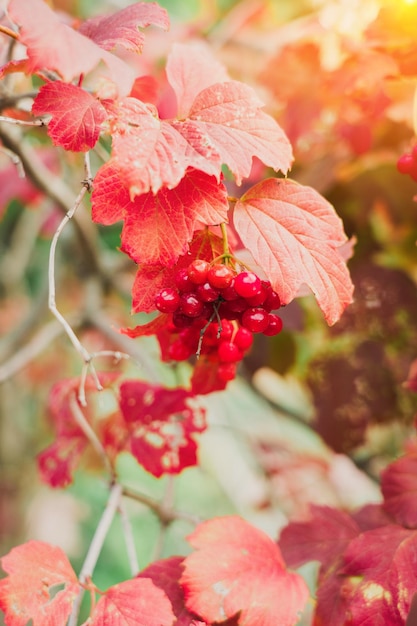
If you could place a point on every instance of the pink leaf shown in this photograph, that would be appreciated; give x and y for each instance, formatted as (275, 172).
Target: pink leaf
(191, 68)
(226, 121)
(158, 228)
(53, 45)
(76, 115)
(293, 234)
(122, 28)
(148, 152)
(136, 602)
(34, 569)
(237, 568)
(399, 488)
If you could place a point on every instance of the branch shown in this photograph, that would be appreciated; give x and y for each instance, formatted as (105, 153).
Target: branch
(129, 541)
(96, 547)
(54, 188)
(166, 515)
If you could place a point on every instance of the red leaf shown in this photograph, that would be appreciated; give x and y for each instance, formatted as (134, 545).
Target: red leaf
(323, 538)
(190, 69)
(294, 234)
(388, 575)
(136, 602)
(150, 279)
(53, 45)
(167, 220)
(227, 125)
(35, 569)
(163, 423)
(109, 199)
(205, 378)
(122, 28)
(166, 574)
(399, 488)
(237, 568)
(151, 328)
(76, 115)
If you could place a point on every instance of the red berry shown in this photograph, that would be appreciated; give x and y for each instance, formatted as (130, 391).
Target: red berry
(258, 298)
(220, 276)
(243, 339)
(247, 284)
(229, 293)
(226, 329)
(190, 305)
(167, 300)
(405, 163)
(274, 326)
(180, 320)
(226, 372)
(197, 271)
(206, 293)
(255, 319)
(228, 352)
(272, 301)
(235, 306)
(183, 281)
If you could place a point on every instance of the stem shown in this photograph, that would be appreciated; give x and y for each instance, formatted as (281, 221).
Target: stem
(96, 546)
(129, 541)
(9, 32)
(226, 250)
(12, 120)
(88, 431)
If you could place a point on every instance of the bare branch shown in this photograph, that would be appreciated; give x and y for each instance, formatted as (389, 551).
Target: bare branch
(129, 540)
(165, 515)
(96, 546)
(17, 122)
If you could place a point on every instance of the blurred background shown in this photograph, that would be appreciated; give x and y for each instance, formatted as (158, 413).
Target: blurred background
(316, 412)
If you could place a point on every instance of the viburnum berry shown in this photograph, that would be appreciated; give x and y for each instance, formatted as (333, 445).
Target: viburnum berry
(255, 319)
(197, 271)
(167, 300)
(220, 276)
(272, 301)
(207, 293)
(183, 281)
(228, 352)
(247, 284)
(405, 163)
(180, 320)
(274, 325)
(243, 338)
(190, 305)
(229, 292)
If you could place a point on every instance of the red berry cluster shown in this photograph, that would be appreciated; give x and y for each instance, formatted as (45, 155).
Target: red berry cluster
(407, 163)
(215, 312)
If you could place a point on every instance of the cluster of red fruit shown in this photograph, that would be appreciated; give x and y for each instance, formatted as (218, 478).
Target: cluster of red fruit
(215, 312)
(407, 163)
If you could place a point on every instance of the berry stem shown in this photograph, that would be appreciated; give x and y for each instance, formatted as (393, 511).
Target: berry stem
(226, 250)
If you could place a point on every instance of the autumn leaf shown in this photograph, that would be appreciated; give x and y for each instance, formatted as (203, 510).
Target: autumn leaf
(35, 569)
(399, 488)
(77, 116)
(162, 423)
(158, 228)
(238, 569)
(191, 68)
(294, 234)
(226, 124)
(122, 28)
(136, 602)
(52, 44)
(323, 538)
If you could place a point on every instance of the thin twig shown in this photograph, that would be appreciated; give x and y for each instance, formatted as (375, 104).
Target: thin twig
(89, 432)
(17, 122)
(165, 515)
(96, 546)
(129, 540)
(15, 159)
